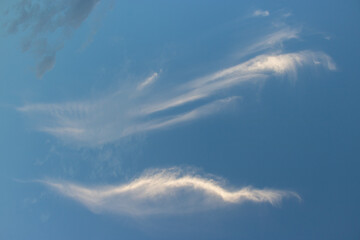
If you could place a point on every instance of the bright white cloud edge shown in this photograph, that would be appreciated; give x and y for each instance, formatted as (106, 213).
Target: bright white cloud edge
(93, 123)
(165, 191)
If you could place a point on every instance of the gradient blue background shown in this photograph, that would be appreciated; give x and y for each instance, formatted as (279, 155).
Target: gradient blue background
(302, 136)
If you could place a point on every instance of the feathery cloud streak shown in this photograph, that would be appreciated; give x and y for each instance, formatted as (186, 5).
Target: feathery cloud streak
(271, 41)
(257, 68)
(42, 19)
(165, 191)
(122, 114)
(148, 81)
(199, 112)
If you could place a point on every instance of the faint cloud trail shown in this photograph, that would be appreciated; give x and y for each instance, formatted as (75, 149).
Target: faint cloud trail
(148, 81)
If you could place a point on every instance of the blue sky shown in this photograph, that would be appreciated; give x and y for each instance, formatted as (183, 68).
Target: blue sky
(179, 120)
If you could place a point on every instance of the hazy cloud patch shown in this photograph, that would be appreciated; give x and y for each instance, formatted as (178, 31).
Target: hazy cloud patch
(261, 13)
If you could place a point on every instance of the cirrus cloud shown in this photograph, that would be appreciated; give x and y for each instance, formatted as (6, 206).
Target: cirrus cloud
(165, 191)
(130, 110)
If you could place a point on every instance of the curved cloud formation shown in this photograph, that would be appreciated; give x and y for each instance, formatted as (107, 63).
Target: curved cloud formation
(165, 191)
(118, 115)
(130, 111)
(260, 67)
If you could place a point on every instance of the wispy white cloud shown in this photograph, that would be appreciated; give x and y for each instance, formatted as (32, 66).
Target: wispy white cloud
(165, 191)
(148, 81)
(104, 121)
(196, 113)
(88, 123)
(272, 41)
(126, 112)
(252, 70)
(261, 13)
